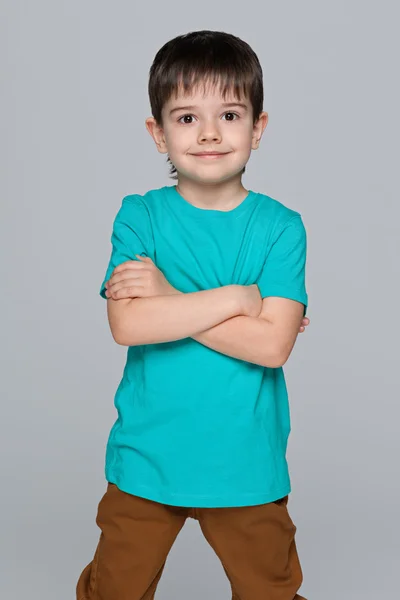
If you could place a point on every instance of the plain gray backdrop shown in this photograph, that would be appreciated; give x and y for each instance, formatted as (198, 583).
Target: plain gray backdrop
(73, 143)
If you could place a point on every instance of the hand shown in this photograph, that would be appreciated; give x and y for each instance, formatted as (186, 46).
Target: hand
(133, 279)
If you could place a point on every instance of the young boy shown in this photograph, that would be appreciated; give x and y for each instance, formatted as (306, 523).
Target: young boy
(206, 288)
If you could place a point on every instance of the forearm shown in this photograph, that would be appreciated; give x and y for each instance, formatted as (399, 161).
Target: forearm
(248, 338)
(156, 319)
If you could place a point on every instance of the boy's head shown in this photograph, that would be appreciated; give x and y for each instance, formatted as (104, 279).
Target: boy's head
(206, 94)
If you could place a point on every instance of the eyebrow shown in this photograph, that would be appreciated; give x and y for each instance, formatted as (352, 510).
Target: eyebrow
(225, 104)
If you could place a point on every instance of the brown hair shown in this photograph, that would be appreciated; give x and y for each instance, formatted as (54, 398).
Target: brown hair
(205, 56)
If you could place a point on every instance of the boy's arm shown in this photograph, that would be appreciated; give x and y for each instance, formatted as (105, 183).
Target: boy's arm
(266, 340)
(247, 338)
(156, 319)
(269, 339)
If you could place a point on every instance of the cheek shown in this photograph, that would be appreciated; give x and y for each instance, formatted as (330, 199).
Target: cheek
(241, 135)
(177, 139)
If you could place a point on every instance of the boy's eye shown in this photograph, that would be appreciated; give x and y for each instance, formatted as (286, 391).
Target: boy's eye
(232, 114)
(232, 117)
(185, 117)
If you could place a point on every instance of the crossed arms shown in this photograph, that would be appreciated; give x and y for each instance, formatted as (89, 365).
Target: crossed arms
(222, 319)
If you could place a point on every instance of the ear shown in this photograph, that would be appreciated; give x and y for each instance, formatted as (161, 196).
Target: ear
(157, 134)
(258, 130)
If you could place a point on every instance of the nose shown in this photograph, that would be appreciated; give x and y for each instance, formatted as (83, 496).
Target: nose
(209, 133)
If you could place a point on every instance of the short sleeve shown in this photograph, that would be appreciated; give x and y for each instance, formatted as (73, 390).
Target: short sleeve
(130, 235)
(284, 270)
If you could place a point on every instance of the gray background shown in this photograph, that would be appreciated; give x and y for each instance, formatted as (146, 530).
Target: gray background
(74, 101)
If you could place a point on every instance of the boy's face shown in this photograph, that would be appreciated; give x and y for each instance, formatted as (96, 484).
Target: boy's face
(206, 122)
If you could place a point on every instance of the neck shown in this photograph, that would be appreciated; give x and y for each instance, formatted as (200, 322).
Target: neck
(225, 195)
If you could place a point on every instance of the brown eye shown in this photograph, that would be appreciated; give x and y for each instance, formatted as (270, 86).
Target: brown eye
(185, 117)
(230, 115)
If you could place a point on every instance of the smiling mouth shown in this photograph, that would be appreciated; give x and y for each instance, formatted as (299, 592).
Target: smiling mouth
(210, 154)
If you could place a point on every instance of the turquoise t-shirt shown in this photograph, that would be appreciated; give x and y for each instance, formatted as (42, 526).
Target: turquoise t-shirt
(195, 427)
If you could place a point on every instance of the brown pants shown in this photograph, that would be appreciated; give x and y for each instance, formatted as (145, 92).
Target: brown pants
(255, 545)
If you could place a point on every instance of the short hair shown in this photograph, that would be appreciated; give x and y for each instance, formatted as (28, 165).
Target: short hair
(205, 57)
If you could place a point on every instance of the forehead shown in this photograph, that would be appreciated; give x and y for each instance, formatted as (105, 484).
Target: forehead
(205, 92)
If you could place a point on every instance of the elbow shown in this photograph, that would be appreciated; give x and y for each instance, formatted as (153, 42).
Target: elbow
(282, 359)
(121, 334)
(117, 335)
(273, 362)
(118, 340)
(117, 330)
(283, 356)
(120, 320)
(122, 339)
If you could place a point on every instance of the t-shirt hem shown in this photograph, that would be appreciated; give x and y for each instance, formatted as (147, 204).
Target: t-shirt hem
(196, 500)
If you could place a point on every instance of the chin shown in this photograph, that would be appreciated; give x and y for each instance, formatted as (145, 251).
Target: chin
(210, 177)
(208, 174)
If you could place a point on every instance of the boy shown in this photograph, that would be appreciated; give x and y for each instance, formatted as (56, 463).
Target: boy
(206, 288)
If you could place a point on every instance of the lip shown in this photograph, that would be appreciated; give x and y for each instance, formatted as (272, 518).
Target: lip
(209, 154)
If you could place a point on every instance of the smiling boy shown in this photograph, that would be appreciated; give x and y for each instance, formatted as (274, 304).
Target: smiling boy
(206, 287)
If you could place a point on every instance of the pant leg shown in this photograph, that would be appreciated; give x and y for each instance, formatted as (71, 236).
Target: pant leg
(257, 549)
(136, 537)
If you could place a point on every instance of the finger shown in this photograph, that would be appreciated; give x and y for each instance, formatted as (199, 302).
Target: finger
(121, 266)
(125, 275)
(130, 291)
(122, 293)
(131, 280)
(130, 264)
(144, 258)
(134, 269)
